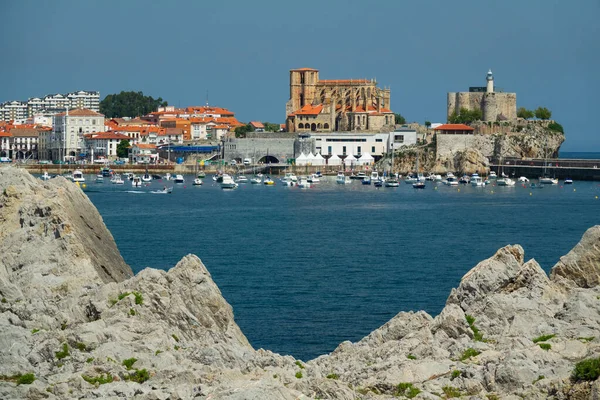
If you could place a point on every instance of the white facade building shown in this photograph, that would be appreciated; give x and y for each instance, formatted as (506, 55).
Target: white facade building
(342, 144)
(143, 153)
(20, 111)
(13, 111)
(402, 137)
(103, 145)
(69, 128)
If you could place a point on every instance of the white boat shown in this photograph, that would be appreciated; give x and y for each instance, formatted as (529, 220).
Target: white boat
(360, 176)
(493, 175)
(342, 179)
(179, 179)
(522, 179)
(268, 181)
(505, 182)
(374, 175)
(464, 179)
(136, 181)
(228, 182)
(116, 180)
(165, 190)
(78, 176)
(303, 182)
(99, 178)
(146, 178)
(168, 176)
(410, 179)
(242, 179)
(291, 177)
(256, 180)
(477, 181)
(197, 182)
(546, 180)
(568, 181)
(313, 179)
(285, 181)
(450, 179)
(45, 176)
(391, 182)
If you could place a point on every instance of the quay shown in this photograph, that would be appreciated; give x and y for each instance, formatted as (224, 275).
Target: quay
(561, 168)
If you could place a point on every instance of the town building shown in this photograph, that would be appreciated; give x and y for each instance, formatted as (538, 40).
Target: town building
(317, 105)
(68, 130)
(19, 111)
(494, 104)
(103, 145)
(143, 153)
(257, 126)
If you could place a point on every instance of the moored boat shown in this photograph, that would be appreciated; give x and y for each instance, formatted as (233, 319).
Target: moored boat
(78, 176)
(568, 181)
(136, 181)
(342, 179)
(179, 179)
(197, 182)
(228, 182)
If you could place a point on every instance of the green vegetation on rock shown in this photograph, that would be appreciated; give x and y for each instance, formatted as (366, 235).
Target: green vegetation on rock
(477, 335)
(542, 338)
(468, 353)
(299, 364)
(587, 370)
(333, 376)
(100, 379)
(543, 113)
(399, 119)
(556, 127)
(411, 356)
(139, 376)
(545, 346)
(64, 353)
(465, 116)
(455, 374)
(299, 374)
(451, 392)
(128, 363)
(407, 389)
(522, 112)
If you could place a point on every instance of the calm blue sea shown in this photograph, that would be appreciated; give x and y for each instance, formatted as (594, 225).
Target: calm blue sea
(578, 154)
(307, 269)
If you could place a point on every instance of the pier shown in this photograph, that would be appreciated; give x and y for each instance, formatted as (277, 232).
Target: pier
(561, 168)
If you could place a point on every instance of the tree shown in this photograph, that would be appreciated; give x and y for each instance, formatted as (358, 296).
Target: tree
(465, 116)
(543, 113)
(399, 119)
(522, 112)
(129, 104)
(241, 131)
(123, 148)
(427, 124)
(269, 127)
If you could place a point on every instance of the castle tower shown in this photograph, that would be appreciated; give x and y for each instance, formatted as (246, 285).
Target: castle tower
(490, 82)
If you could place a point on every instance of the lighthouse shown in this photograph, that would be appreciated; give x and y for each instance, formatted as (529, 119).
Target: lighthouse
(490, 82)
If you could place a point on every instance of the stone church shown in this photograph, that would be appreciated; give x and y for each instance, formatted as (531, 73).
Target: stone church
(336, 105)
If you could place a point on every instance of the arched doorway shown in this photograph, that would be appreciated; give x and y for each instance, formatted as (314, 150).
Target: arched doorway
(313, 127)
(268, 160)
(3, 154)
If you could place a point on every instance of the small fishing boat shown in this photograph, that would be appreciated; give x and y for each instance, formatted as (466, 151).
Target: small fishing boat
(366, 181)
(99, 178)
(197, 182)
(419, 185)
(303, 183)
(78, 176)
(546, 180)
(136, 181)
(179, 179)
(391, 182)
(228, 182)
(256, 180)
(242, 179)
(146, 177)
(342, 179)
(45, 176)
(477, 181)
(522, 179)
(116, 180)
(313, 179)
(568, 181)
(268, 181)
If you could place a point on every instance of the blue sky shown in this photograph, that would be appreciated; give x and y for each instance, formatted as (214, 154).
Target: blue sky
(547, 51)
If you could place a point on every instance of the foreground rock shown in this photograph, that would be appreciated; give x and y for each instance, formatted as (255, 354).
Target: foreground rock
(72, 314)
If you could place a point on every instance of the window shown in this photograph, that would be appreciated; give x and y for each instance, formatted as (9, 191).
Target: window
(329, 150)
(399, 138)
(379, 140)
(358, 149)
(373, 149)
(94, 122)
(344, 150)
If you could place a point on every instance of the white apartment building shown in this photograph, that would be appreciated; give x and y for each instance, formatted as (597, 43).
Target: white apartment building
(103, 144)
(4, 144)
(69, 128)
(13, 111)
(143, 153)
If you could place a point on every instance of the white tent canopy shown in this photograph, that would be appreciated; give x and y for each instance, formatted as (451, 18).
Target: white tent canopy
(310, 158)
(319, 160)
(366, 159)
(334, 160)
(302, 160)
(349, 160)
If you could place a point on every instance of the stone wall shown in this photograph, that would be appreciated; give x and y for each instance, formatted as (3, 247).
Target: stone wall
(280, 147)
(492, 105)
(446, 145)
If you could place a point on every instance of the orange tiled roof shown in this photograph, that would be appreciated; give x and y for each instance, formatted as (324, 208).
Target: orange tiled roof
(453, 127)
(209, 110)
(109, 135)
(81, 112)
(5, 134)
(145, 146)
(309, 109)
(257, 124)
(344, 81)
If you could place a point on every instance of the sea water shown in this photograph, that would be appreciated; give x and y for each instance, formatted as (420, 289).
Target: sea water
(307, 269)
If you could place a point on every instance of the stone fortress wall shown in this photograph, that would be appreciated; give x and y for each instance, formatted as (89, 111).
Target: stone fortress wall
(492, 105)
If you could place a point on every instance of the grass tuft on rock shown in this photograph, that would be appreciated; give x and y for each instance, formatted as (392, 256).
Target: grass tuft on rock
(468, 353)
(139, 299)
(333, 376)
(64, 353)
(407, 389)
(411, 356)
(34, 331)
(545, 346)
(477, 335)
(299, 364)
(451, 391)
(26, 379)
(128, 363)
(174, 336)
(455, 374)
(542, 338)
(139, 376)
(587, 370)
(299, 374)
(81, 346)
(100, 379)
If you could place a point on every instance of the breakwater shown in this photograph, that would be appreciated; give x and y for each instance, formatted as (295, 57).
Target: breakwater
(561, 168)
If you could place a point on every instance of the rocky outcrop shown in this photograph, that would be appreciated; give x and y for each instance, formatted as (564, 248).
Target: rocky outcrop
(91, 332)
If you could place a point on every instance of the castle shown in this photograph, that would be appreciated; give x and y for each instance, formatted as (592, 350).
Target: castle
(336, 105)
(494, 106)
